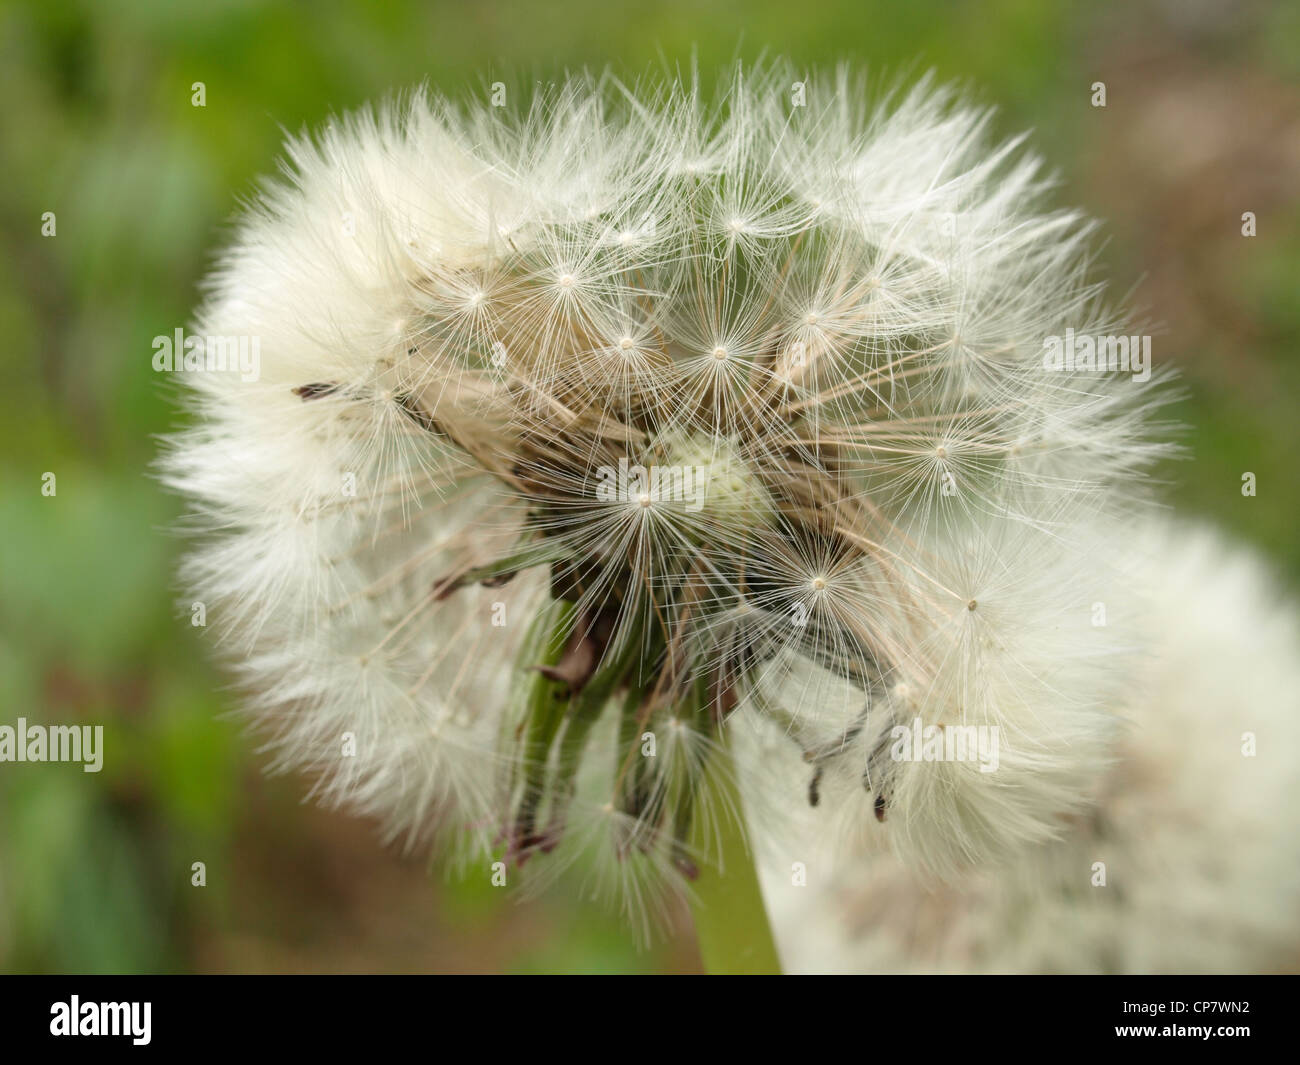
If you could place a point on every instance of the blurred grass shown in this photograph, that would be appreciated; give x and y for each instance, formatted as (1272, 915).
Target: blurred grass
(98, 128)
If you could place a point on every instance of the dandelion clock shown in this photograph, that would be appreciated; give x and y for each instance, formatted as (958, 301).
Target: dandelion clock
(633, 471)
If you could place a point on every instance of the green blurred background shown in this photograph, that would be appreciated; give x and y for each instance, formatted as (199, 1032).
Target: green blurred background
(1202, 123)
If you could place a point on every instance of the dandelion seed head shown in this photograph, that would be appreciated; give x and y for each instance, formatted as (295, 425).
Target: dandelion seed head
(687, 414)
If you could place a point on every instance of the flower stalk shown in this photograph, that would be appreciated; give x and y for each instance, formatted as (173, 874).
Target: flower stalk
(731, 922)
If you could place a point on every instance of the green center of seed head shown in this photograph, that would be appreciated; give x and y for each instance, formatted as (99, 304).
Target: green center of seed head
(724, 487)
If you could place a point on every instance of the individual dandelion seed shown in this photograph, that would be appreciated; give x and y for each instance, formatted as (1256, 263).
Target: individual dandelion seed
(664, 412)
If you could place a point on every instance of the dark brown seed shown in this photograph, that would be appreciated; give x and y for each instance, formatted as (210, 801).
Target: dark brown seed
(815, 787)
(315, 390)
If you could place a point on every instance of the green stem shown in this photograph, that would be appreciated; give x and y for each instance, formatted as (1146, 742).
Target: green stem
(730, 917)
